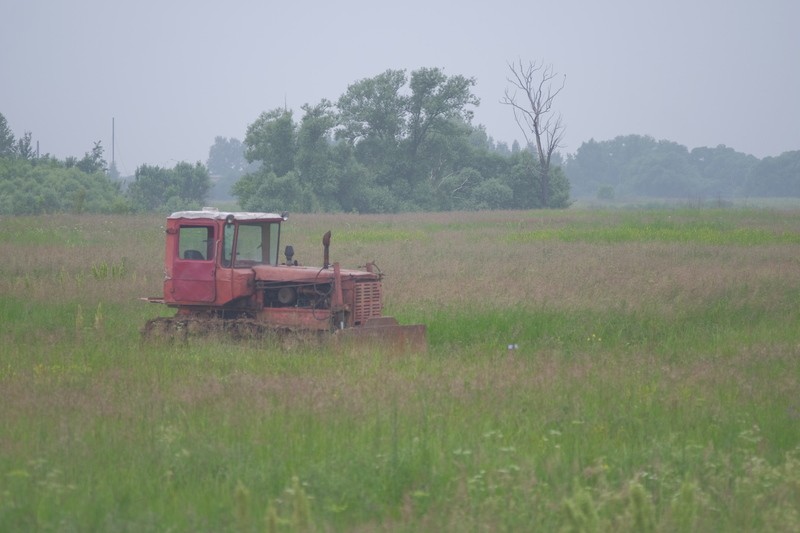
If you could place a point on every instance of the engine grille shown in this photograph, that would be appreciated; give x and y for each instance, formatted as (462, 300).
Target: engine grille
(369, 301)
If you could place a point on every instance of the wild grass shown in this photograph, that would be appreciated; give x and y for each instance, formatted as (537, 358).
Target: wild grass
(646, 382)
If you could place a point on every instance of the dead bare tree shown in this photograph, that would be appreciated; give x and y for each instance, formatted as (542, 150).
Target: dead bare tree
(533, 112)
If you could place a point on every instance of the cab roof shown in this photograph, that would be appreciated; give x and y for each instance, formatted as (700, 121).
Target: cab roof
(216, 214)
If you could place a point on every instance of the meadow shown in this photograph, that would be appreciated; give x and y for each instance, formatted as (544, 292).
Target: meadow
(587, 370)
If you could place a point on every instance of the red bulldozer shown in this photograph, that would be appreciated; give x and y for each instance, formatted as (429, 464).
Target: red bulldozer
(223, 273)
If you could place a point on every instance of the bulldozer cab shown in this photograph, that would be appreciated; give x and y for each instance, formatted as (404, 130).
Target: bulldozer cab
(202, 245)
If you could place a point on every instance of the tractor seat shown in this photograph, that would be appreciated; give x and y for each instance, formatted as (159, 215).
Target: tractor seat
(193, 254)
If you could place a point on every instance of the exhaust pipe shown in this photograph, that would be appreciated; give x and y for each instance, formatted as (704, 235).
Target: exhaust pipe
(326, 244)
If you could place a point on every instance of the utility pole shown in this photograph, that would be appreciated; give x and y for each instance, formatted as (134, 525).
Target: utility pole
(112, 140)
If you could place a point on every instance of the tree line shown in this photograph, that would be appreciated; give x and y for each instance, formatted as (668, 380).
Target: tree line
(395, 142)
(34, 184)
(638, 166)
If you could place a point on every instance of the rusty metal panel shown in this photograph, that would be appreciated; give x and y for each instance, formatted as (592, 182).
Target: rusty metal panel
(296, 318)
(369, 301)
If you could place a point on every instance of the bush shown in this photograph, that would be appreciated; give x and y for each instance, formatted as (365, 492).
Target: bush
(46, 186)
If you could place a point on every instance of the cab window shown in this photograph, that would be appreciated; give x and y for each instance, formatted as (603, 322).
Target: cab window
(256, 243)
(196, 243)
(227, 244)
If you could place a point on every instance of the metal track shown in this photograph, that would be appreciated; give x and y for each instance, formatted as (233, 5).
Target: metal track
(182, 329)
(380, 333)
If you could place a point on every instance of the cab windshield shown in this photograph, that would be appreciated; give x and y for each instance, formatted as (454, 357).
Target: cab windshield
(251, 244)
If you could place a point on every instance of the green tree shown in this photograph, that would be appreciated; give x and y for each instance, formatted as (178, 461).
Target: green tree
(6, 138)
(522, 180)
(525, 177)
(47, 186)
(592, 167)
(93, 161)
(775, 176)
(151, 188)
(313, 161)
(373, 108)
(447, 151)
(560, 189)
(226, 164)
(372, 121)
(405, 140)
(436, 100)
(492, 194)
(271, 141)
(641, 166)
(24, 148)
(193, 182)
(162, 189)
(438, 125)
(265, 191)
(226, 158)
(724, 170)
(358, 191)
(455, 191)
(113, 173)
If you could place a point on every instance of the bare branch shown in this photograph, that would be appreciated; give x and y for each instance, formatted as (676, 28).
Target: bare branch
(463, 184)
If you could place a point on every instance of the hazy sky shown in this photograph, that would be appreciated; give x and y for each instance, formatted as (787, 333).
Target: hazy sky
(176, 73)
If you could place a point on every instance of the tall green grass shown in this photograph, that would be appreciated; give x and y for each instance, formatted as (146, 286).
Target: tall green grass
(532, 416)
(669, 227)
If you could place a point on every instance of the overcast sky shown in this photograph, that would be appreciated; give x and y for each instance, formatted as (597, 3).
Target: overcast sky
(174, 74)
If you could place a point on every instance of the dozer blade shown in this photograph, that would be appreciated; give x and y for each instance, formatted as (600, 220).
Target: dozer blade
(385, 333)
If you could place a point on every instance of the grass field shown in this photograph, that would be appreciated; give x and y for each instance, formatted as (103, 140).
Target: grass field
(654, 385)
